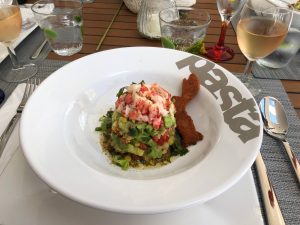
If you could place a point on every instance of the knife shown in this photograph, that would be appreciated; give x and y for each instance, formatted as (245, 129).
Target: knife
(271, 205)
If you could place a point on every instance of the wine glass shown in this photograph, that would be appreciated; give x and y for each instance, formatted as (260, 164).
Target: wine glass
(227, 9)
(259, 33)
(10, 27)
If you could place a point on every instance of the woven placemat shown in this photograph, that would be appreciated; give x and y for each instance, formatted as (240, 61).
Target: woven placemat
(277, 162)
(45, 68)
(290, 72)
(25, 50)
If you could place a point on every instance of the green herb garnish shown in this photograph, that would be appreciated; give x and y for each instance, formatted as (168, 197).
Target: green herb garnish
(121, 91)
(50, 34)
(167, 43)
(77, 19)
(106, 124)
(177, 148)
(198, 48)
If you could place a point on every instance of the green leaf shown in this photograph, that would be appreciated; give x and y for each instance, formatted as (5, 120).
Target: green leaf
(106, 123)
(120, 92)
(77, 19)
(197, 48)
(177, 148)
(167, 43)
(50, 34)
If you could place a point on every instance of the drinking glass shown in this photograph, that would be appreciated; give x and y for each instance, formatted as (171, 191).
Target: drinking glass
(259, 33)
(184, 28)
(227, 9)
(62, 25)
(10, 27)
(288, 49)
(148, 17)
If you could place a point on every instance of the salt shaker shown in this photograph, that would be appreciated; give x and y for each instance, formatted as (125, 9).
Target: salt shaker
(148, 18)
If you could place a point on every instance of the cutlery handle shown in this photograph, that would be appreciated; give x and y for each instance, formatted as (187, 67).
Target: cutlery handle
(38, 50)
(7, 132)
(293, 159)
(272, 208)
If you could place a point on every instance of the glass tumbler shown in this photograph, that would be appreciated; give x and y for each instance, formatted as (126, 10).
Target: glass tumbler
(148, 19)
(61, 22)
(184, 28)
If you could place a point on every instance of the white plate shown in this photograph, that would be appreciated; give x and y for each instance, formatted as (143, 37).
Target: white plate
(58, 138)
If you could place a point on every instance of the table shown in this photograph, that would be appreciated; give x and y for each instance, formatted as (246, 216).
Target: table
(123, 33)
(97, 17)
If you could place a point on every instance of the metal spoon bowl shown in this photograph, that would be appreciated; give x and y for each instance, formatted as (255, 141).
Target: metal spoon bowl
(276, 125)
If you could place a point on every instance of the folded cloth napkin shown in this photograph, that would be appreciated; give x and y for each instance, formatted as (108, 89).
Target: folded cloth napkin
(185, 2)
(7, 111)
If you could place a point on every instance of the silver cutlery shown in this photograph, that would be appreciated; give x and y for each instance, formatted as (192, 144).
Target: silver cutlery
(276, 125)
(29, 89)
(38, 51)
(273, 212)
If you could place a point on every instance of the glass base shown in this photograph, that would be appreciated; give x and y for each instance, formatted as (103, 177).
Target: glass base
(27, 24)
(22, 73)
(218, 53)
(252, 84)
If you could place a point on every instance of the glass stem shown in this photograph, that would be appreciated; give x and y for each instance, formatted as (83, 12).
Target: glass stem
(13, 57)
(248, 68)
(248, 79)
(247, 76)
(223, 33)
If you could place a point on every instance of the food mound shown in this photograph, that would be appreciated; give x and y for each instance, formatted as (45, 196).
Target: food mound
(140, 131)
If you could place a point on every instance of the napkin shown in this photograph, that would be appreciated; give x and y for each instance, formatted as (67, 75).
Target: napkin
(7, 111)
(185, 2)
(26, 14)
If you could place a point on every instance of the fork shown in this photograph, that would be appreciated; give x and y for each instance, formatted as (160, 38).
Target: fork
(31, 85)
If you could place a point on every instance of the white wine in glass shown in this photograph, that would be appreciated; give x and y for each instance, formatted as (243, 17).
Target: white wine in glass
(259, 33)
(10, 23)
(10, 29)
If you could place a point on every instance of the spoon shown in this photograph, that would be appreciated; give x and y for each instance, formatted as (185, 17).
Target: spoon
(37, 52)
(276, 125)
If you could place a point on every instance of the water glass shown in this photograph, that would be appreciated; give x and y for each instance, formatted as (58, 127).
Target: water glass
(288, 48)
(148, 18)
(61, 22)
(184, 28)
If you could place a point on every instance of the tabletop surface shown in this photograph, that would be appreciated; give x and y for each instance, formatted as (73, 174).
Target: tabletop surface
(123, 33)
(98, 15)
